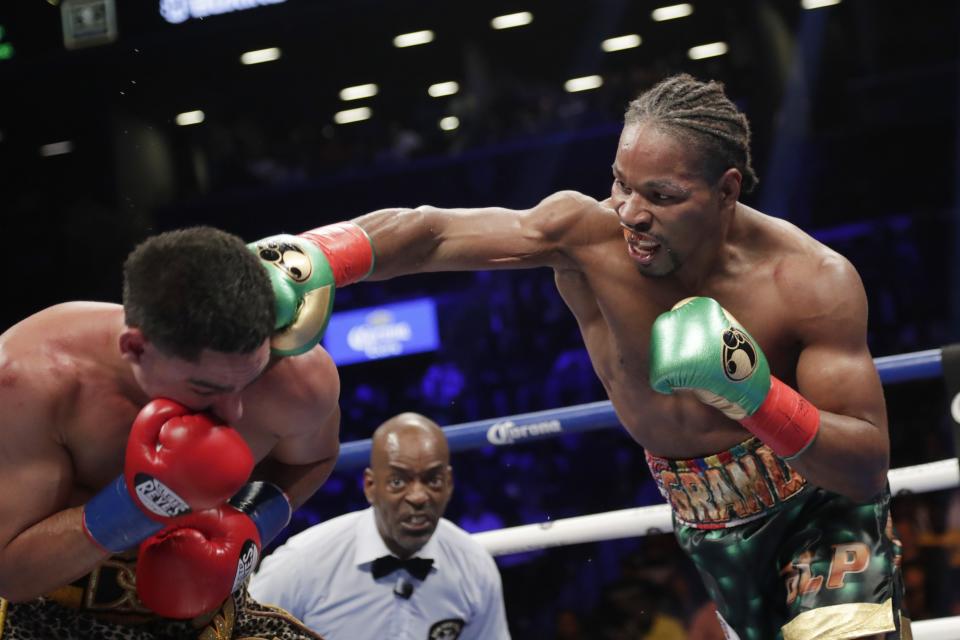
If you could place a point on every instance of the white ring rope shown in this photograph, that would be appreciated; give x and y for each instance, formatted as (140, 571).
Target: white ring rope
(642, 521)
(938, 629)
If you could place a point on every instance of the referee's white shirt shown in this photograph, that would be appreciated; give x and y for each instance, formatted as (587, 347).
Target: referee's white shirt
(323, 577)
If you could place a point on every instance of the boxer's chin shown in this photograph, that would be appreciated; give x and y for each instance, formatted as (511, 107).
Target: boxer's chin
(643, 256)
(652, 259)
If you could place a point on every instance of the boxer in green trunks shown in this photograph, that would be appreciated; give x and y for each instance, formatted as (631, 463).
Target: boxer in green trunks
(668, 278)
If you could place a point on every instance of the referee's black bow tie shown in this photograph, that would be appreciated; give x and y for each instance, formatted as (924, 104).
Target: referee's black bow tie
(417, 567)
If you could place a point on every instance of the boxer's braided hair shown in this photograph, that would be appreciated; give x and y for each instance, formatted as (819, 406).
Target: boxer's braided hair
(701, 115)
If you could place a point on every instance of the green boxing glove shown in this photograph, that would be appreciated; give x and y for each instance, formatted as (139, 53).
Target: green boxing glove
(303, 285)
(698, 346)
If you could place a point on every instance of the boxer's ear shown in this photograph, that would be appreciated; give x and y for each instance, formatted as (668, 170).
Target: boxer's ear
(729, 186)
(131, 343)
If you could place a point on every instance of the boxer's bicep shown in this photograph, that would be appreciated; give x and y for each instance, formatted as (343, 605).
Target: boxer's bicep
(835, 370)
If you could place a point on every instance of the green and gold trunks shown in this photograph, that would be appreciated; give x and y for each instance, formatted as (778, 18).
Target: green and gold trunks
(780, 558)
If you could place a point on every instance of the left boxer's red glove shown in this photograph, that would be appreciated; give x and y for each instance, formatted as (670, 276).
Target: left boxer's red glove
(192, 566)
(177, 461)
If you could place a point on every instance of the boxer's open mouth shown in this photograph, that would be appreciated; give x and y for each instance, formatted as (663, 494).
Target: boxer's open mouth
(641, 247)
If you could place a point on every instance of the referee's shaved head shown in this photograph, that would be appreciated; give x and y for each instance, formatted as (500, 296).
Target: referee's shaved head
(414, 430)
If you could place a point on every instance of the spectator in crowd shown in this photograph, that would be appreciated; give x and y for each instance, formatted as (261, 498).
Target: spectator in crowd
(397, 568)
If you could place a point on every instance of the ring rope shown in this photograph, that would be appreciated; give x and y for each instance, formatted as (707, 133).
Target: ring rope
(643, 521)
(937, 629)
(540, 425)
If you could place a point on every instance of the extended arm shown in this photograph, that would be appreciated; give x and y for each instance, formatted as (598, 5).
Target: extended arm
(431, 239)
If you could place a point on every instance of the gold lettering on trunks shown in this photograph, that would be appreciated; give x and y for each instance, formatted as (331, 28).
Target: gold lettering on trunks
(786, 481)
(750, 482)
(678, 499)
(725, 496)
(799, 578)
(847, 558)
(728, 488)
(699, 496)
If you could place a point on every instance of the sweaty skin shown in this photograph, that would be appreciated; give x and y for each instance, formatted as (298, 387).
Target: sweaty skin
(666, 234)
(68, 398)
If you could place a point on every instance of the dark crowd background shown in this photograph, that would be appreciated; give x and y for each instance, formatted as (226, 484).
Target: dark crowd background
(854, 110)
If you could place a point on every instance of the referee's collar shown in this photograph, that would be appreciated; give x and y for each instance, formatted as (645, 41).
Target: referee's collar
(371, 546)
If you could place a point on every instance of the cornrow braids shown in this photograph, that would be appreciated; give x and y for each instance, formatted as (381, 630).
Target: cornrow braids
(701, 115)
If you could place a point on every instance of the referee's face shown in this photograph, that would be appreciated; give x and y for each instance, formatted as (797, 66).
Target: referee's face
(409, 483)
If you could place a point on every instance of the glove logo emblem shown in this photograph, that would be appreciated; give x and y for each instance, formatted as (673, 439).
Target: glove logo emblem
(246, 564)
(739, 355)
(287, 257)
(158, 497)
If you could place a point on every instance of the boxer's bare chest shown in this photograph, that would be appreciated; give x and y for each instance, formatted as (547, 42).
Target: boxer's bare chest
(616, 307)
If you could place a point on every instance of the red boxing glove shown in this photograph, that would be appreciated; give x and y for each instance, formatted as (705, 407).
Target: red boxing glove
(178, 460)
(191, 568)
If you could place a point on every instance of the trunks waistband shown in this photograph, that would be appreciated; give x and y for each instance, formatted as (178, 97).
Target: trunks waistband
(744, 483)
(109, 592)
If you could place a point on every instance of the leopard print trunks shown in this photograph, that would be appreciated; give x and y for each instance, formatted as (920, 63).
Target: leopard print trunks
(103, 606)
(44, 619)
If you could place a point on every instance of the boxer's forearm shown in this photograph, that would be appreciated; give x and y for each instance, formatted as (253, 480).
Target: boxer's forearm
(50, 554)
(403, 240)
(428, 239)
(298, 482)
(849, 456)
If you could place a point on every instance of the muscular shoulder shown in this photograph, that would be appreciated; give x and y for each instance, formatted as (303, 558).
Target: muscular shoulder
(570, 216)
(39, 378)
(819, 284)
(304, 390)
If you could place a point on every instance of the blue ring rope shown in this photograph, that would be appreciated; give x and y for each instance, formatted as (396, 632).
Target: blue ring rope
(540, 425)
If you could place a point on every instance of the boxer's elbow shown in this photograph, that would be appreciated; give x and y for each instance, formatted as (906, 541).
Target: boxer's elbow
(868, 477)
(865, 488)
